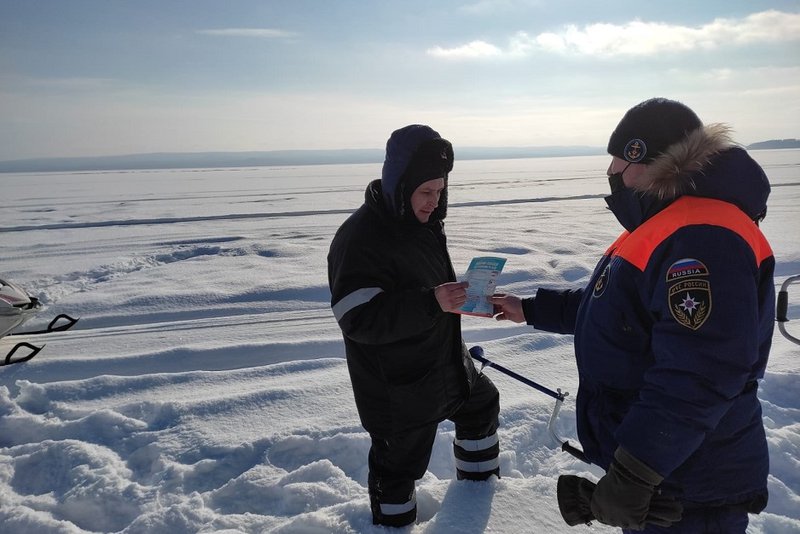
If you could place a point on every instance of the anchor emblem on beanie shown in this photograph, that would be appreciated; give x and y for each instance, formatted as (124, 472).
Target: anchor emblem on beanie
(635, 150)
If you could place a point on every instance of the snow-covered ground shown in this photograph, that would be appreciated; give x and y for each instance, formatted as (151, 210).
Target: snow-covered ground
(204, 388)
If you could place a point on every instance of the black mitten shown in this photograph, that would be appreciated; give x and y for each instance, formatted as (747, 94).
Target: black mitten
(626, 496)
(574, 495)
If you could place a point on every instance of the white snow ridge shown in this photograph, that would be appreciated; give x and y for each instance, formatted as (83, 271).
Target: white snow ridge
(204, 388)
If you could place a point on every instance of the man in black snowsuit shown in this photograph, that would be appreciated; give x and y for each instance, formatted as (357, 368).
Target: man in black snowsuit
(394, 294)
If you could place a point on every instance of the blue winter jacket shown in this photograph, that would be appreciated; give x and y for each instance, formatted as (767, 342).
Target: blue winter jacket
(674, 329)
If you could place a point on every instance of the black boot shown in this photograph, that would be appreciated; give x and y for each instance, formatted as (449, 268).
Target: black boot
(477, 459)
(393, 502)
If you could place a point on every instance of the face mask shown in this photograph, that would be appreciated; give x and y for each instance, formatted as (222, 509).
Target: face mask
(616, 182)
(631, 208)
(624, 203)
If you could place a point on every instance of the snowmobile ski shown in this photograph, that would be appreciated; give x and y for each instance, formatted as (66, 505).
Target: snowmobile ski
(16, 307)
(70, 322)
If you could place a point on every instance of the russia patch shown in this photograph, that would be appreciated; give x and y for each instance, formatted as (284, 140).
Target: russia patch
(686, 267)
(689, 292)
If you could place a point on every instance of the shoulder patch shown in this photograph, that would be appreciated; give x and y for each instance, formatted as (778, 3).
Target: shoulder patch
(689, 292)
(686, 267)
(602, 282)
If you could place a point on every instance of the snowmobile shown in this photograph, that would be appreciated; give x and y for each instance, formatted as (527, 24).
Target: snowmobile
(783, 308)
(16, 307)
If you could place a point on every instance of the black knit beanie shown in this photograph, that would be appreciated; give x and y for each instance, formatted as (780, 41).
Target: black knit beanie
(649, 128)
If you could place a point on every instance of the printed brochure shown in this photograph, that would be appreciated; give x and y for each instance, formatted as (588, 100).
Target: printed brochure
(482, 276)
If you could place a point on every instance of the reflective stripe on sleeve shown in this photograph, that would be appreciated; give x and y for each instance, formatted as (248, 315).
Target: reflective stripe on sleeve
(477, 444)
(397, 509)
(478, 467)
(356, 298)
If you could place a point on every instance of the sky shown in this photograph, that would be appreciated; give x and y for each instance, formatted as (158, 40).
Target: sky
(109, 77)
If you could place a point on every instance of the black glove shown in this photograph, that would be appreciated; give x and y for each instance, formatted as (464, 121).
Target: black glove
(625, 497)
(574, 495)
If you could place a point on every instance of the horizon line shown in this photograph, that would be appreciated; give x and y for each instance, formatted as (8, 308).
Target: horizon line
(264, 158)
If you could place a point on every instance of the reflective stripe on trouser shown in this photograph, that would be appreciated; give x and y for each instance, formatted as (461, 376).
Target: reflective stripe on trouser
(393, 502)
(477, 459)
(402, 508)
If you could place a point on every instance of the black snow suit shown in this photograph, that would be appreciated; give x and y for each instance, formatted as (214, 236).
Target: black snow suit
(408, 364)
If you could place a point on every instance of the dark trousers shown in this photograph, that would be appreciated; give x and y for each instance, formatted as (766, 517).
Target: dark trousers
(397, 461)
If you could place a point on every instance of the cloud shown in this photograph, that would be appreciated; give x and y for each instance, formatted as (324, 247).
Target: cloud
(475, 49)
(484, 7)
(262, 33)
(66, 84)
(638, 38)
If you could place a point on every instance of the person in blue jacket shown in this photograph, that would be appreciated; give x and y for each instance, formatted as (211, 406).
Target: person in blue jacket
(672, 332)
(395, 296)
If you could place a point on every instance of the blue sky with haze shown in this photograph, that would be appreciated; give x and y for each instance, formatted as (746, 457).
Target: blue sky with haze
(103, 77)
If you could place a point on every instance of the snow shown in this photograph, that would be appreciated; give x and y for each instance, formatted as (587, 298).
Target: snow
(205, 388)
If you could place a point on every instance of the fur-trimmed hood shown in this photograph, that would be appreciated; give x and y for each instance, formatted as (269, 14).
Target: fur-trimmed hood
(707, 163)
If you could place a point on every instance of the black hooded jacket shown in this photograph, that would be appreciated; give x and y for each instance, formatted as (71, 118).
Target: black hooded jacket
(407, 361)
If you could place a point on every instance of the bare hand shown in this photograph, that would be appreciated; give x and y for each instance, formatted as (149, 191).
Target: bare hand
(451, 296)
(507, 307)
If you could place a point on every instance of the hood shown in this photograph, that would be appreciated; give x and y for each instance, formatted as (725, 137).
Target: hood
(374, 199)
(707, 163)
(414, 154)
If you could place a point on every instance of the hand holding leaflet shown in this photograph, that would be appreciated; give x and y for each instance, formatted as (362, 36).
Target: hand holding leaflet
(482, 276)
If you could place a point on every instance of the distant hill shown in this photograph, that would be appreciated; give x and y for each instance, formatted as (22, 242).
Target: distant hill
(193, 160)
(211, 160)
(775, 143)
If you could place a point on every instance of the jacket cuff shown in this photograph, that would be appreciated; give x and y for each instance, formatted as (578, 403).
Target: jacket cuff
(574, 496)
(637, 468)
(529, 309)
(432, 305)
